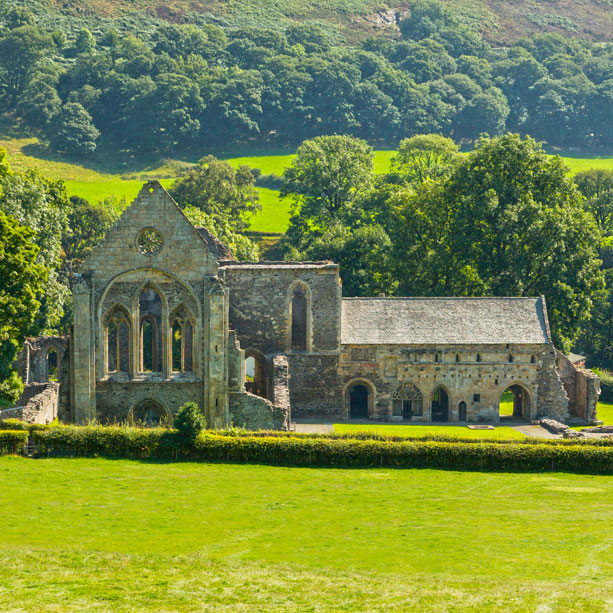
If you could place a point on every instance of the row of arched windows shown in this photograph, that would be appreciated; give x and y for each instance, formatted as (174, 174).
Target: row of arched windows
(152, 332)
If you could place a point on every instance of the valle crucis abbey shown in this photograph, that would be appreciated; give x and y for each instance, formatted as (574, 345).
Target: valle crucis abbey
(164, 315)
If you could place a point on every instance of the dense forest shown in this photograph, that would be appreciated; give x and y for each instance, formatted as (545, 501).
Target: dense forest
(199, 87)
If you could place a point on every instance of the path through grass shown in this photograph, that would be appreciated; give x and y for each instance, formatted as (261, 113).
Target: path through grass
(118, 535)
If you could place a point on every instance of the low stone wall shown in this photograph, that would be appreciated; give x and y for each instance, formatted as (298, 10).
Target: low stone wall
(37, 404)
(281, 394)
(582, 387)
(256, 413)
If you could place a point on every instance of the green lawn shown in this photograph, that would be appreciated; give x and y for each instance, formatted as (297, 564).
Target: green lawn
(605, 412)
(501, 432)
(118, 535)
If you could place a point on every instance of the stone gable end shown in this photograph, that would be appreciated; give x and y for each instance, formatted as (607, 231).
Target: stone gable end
(183, 250)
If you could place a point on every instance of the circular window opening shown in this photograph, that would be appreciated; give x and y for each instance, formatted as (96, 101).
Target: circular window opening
(149, 241)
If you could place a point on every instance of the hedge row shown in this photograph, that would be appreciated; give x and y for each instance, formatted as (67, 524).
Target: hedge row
(18, 424)
(297, 451)
(12, 441)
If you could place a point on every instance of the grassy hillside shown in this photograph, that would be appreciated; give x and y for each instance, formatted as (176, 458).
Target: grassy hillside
(501, 21)
(95, 185)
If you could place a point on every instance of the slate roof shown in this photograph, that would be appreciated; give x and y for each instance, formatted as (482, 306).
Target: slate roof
(443, 321)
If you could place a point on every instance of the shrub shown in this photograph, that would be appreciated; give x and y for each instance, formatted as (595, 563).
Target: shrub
(12, 441)
(189, 421)
(117, 441)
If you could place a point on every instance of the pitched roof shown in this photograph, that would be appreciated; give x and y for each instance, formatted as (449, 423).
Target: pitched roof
(417, 321)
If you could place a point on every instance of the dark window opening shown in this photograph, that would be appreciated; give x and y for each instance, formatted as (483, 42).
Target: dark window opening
(510, 358)
(182, 343)
(462, 411)
(150, 309)
(533, 360)
(118, 342)
(299, 318)
(476, 397)
(478, 357)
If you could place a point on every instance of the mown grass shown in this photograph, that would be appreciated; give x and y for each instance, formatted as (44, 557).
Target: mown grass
(605, 412)
(118, 535)
(501, 432)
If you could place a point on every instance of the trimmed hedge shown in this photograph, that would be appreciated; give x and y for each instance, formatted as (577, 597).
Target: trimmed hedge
(18, 424)
(300, 451)
(12, 441)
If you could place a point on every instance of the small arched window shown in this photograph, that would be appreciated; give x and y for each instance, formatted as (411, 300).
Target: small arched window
(118, 341)
(437, 357)
(533, 360)
(299, 318)
(510, 359)
(52, 363)
(478, 357)
(457, 357)
(182, 341)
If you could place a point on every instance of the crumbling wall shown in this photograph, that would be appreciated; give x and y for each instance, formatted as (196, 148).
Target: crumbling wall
(38, 404)
(582, 388)
(281, 394)
(256, 413)
(552, 397)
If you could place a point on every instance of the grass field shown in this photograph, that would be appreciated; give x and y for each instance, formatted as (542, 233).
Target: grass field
(605, 412)
(501, 432)
(117, 535)
(95, 185)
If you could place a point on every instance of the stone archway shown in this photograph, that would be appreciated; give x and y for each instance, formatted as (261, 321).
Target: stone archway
(149, 413)
(359, 397)
(515, 403)
(440, 405)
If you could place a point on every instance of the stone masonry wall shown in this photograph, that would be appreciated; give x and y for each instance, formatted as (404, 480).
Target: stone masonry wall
(582, 388)
(281, 394)
(465, 379)
(115, 399)
(37, 404)
(256, 413)
(260, 297)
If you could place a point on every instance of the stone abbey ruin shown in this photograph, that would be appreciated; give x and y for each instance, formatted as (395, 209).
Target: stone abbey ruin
(163, 315)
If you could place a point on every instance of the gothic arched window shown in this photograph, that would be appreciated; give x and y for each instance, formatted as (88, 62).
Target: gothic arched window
(118, 341)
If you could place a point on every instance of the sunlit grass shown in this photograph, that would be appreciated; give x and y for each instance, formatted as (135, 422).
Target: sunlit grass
(118, 535)
(500, 432)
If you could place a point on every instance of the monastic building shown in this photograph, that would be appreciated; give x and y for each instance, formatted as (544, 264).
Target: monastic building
(163, 315)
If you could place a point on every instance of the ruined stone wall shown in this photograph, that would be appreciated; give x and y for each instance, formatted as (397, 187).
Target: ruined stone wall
(552, 398)
(582, 387)
(260, 296)
(474, 374)
(256, 413)
(37, 404)
(281, 393)
(115, 399)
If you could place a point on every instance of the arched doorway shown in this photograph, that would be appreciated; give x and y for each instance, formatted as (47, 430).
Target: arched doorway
(256, 379)
(514, 403)
(440, 405)
(149, 414)
(52, 365)
(358, 401)
(462, 411)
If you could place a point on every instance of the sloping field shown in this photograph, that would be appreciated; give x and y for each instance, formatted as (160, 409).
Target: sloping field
(94, 185)
(118, 535)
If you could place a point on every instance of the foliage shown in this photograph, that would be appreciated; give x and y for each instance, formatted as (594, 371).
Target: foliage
(72, 131)
(426, 156)
(326, 176)
(507, 222)
(12, 441)
(219, 191)
(606, 383)
(86, 227)
(22, 280)
(220, 226)
(40, 204)
(189, 421)
(298, 451)
(596, 186)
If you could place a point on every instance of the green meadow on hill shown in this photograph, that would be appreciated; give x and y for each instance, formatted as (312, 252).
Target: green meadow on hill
(274, 217)
(119, 535)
